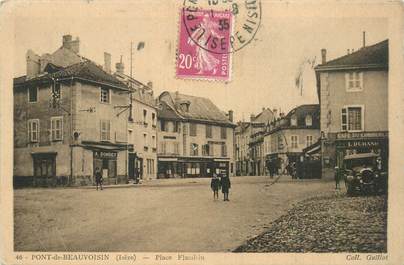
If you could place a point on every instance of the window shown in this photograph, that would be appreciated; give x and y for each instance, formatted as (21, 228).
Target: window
(56, 128)
(177, 126)
(309, 120)
(176, 148)
(354, 81)
(352, 118)
(208, 131)
(205, 150)
(294, 141)
(153, 119)
(105, 130)
(145, 117)
(223, 132)
(192, 129)
(145, 139)
(154, 144)
(105, 96)
(162, 126)
(280, 142)
(194, 149)
(32, 94)
(162, 148)
(33, 130)
(293, 121)
(224, 150)
(309, 140)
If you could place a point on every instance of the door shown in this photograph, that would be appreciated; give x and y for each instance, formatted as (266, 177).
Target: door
(44, 170)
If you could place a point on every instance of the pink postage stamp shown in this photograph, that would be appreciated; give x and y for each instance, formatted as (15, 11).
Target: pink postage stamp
(204, 50)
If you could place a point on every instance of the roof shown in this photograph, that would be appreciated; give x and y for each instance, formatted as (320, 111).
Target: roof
(200, 109)
(374, 56)
(166, 112)
(86, 70)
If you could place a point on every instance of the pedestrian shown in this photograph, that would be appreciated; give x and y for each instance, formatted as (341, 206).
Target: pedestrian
(98, 177)
(215, 186)
(225, 183)
(337, 178)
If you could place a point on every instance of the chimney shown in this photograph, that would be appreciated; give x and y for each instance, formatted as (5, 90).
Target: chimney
(150, 84)
(364, 39)
(230, 115)
(107, 62)
(75, 45)
(120, 67)
(33, 64)
(69, 43)
(281, 115)
(323, 56)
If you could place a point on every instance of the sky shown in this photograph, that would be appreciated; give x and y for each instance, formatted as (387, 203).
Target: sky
(263, 72)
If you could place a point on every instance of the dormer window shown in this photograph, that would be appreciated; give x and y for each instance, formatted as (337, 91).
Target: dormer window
(309, 120)
(293, 121)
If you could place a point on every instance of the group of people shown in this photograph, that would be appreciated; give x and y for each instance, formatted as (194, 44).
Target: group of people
(222, 183)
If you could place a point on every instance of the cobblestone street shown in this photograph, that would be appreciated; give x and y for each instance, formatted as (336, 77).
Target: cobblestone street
(335, 223)
(181, 216)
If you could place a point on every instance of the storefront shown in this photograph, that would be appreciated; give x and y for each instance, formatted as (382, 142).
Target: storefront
(106, 161)
(191, 167)
(363, 142)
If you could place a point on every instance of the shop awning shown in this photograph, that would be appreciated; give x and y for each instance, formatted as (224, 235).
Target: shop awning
(110, 147)
(163, 159)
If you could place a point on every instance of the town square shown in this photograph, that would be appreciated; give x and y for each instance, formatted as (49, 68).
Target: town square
(201, 126)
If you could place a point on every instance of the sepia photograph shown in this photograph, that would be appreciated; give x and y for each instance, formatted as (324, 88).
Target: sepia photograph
(168, 130)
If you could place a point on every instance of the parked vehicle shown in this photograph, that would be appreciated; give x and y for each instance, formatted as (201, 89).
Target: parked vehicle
(363, 173)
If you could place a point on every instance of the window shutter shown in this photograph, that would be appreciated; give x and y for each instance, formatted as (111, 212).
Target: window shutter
(344, 119)
(346, 81)
(361, 80)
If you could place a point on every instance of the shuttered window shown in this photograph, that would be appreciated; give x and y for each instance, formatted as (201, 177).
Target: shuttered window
(105, 130)
(33, 130)
(56, 128)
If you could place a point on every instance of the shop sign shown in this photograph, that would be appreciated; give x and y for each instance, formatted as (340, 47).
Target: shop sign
(350, 135)
(105, 155)
(358, 144)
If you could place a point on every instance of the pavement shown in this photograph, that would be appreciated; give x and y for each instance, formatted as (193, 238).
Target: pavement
(339, 224)
(170, 215)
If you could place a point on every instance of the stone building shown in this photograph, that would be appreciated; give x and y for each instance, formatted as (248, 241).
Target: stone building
(142, 128)
(195, 138)
(287, 136)
(249, 144)
(67, 120)
(353, 95)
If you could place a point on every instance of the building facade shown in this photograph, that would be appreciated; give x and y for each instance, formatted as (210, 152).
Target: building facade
(195, 138)
(288, 135)
(142, 128)
(353, 94)
(249, 145)
(67, 121)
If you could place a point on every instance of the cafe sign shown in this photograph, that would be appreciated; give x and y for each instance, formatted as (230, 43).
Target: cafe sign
(105, 155)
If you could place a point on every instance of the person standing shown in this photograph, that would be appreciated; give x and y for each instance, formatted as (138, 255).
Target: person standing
(337, 178)
(98, 178)
(225, 182)
(215, 186)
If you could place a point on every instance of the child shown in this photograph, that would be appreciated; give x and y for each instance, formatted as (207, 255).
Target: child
(215, 185)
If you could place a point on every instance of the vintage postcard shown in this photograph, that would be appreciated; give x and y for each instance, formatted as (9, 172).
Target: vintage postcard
(201, 132)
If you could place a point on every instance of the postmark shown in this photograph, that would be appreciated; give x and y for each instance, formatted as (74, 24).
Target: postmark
(246, 20)
(204, 48)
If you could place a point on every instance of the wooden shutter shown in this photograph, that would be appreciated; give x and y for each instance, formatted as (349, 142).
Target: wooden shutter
(344, 119)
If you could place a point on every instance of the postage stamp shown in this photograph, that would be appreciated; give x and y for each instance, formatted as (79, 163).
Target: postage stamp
(204, 45)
